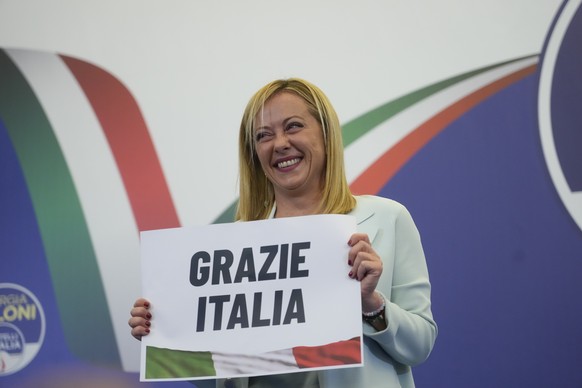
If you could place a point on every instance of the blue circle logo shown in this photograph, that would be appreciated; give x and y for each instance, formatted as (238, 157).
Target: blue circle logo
(559, 114)
(22, 327)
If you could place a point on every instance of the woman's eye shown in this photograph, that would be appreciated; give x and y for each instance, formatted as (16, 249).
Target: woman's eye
(260, 136)
(294, 125)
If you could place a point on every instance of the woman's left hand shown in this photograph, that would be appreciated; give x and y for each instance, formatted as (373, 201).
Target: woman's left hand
(367, 268)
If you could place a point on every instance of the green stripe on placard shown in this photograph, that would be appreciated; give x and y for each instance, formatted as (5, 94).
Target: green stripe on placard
(69, 252)
(169, 363)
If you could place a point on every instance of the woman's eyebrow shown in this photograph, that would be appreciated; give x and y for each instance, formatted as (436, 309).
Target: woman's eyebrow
(293, 117)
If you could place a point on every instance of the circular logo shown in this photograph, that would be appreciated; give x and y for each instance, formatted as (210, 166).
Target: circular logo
(559, 114)
(22, 327)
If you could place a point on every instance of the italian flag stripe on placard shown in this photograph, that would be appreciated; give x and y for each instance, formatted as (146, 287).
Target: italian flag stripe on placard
(169, 363)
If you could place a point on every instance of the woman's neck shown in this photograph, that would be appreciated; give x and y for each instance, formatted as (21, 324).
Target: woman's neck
(299, 206)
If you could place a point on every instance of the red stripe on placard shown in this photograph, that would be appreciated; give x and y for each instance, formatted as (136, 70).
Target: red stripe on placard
(382, 170)
(131, 145)
(338, 353)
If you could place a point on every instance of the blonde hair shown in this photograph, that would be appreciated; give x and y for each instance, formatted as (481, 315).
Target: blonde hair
(257, 196)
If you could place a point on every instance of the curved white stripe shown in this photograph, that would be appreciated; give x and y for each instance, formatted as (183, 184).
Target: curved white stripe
(367, 149)
(103, 198)
(572, 201)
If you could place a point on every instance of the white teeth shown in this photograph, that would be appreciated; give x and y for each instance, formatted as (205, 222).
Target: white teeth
(288, 163)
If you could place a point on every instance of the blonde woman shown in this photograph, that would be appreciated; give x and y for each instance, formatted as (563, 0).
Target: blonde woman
(291, 164)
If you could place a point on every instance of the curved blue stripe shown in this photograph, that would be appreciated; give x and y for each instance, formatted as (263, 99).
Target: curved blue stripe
(503, 255)
(23, 260)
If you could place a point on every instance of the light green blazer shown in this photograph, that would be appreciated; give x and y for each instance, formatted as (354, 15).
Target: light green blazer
(411, 332)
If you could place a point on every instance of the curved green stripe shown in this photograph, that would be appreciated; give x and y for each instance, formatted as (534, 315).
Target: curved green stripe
(228, 215)
(69, 252)
(359, 126)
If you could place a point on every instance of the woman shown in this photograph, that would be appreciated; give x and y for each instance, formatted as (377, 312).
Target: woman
(291, 164)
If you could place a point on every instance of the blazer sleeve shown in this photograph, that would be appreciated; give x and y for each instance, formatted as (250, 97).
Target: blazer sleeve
(411, 332)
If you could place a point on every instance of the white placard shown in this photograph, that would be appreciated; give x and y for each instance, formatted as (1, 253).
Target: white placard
(250, 298)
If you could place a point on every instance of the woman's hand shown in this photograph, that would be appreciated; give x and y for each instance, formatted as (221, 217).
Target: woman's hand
(367, 268)
(140, 318)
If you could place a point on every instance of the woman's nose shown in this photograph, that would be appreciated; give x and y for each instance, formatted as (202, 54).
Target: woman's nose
(281, 141)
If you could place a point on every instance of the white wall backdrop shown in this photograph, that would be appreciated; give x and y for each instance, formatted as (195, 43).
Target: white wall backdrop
(192, 65)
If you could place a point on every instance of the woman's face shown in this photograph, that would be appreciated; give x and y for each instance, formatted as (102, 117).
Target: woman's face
(289, 145)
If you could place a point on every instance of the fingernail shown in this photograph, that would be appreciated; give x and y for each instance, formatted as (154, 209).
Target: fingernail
(147, 330)
(148, 323)
(349, 262)
(146, 305)
(148, 316)
(351, 274)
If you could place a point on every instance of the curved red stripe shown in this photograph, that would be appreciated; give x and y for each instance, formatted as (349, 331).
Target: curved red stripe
(382, 170)
(131, 145)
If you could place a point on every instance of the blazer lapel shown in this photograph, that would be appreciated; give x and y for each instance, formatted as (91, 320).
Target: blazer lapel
(366, 220)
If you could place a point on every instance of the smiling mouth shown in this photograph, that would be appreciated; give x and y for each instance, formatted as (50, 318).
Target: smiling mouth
(288, 163)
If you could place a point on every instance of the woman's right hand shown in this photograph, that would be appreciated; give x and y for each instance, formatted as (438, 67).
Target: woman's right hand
(140, 318)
